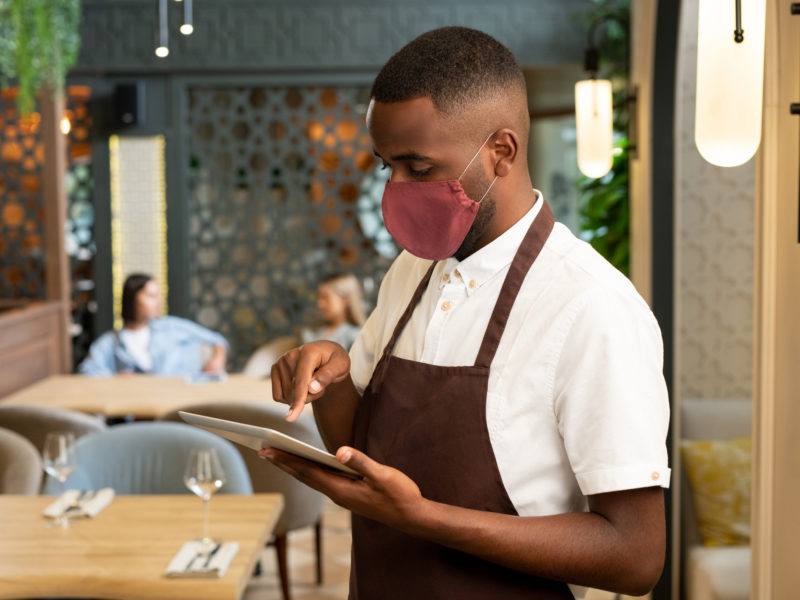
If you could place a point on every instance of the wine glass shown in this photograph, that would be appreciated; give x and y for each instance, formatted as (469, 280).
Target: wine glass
(204, 476)
(59, 460)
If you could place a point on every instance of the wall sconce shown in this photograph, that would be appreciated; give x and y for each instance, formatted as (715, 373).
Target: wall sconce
(730, 80)
(594, 112)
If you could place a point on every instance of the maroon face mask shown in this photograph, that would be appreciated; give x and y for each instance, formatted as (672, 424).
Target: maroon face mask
(430, 219)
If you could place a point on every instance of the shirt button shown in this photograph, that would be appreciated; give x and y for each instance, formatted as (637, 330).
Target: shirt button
(457, 274)
(472, 283)
(445, 277)
(445, 305)
(654, 476)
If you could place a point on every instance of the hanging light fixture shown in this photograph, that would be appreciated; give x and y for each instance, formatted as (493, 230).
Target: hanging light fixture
(594, 112)
(730, 80)
(162, 49)
(593, 121)
(188, 26)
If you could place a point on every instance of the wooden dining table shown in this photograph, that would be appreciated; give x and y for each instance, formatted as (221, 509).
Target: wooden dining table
(123, 552)
(139, 396)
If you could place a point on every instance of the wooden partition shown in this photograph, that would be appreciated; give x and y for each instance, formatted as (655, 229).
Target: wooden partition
(34, 335)
(30, 345)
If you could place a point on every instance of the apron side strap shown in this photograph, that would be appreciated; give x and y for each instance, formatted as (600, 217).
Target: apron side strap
(531, 245)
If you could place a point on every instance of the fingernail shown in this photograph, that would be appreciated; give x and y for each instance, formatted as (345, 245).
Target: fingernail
(344, 455)
(314, 386)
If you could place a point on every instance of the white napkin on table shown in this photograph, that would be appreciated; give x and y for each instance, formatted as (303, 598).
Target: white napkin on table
(87, 508)
(187, 562)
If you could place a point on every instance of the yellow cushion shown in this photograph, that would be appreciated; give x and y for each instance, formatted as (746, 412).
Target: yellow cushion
(719, 473)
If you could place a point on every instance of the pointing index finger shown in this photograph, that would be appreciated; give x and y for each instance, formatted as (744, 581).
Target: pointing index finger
(303, 374)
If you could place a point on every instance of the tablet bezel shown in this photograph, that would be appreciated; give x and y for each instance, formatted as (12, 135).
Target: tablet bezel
(257, 438)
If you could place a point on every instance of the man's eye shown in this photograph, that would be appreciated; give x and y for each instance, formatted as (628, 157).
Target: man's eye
(421, 173)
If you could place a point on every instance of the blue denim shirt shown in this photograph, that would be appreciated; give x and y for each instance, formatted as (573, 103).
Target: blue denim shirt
(175, 345)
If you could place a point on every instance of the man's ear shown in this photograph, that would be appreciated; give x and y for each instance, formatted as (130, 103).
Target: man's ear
(506, 151)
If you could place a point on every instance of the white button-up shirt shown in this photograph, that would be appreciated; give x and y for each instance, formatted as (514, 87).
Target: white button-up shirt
(577, 403)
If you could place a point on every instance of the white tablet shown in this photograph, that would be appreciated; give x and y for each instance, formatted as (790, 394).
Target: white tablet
(257, 438)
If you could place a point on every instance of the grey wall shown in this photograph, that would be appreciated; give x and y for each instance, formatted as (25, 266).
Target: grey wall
(309, 35)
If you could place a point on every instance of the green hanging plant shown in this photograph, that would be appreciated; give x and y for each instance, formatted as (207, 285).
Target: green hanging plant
(39, 42)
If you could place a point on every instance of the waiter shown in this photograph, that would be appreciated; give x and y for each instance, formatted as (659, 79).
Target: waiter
(504, 402)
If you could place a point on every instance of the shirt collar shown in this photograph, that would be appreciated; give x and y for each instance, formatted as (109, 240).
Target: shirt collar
(479, 267)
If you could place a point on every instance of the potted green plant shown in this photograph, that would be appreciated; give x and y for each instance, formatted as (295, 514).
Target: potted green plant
(39, 41)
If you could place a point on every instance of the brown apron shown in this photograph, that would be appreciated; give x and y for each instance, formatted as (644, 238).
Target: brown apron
(429, 422)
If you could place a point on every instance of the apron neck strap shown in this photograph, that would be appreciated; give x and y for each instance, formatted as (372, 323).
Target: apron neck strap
(423, 285)
(529, 249)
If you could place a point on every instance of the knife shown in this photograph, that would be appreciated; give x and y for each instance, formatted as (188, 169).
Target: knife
(210, 556)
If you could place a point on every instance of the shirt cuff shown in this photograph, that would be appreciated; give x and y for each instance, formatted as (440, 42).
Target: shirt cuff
(623, 478)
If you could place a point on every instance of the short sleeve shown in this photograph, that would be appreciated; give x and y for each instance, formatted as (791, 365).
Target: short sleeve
(362, 353)
(610, 397)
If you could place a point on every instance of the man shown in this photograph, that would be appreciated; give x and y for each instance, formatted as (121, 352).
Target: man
(504, 403)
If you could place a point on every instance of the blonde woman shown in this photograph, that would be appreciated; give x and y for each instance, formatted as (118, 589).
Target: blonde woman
(341, 308)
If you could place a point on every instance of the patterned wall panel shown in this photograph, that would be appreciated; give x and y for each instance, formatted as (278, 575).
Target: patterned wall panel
(21, 202)
(138, 213)
(283, 190)
(80, 239)
(715, 246)
(236, 35)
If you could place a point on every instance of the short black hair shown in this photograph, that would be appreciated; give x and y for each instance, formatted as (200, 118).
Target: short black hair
(453, 66)
(132, 286)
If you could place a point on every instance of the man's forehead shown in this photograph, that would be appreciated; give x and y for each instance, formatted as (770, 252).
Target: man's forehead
(411, 123)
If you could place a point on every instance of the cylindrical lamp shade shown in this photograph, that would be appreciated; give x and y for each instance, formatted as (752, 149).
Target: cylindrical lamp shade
(594, 127)
(730, 81)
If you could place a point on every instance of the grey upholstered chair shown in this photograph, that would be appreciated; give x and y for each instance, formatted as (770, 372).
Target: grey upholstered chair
(149, 458)
(20, 465)
(35, 422)
(302, 505)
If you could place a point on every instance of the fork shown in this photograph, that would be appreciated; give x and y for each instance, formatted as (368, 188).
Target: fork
(77, 504)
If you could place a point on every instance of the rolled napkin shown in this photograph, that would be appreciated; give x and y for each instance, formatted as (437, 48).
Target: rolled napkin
(62, 503)
(188, 562)
(96, 503)
(89, 507)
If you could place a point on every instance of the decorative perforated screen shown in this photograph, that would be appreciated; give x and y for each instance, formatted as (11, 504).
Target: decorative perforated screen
(22, 210)
(283, 189)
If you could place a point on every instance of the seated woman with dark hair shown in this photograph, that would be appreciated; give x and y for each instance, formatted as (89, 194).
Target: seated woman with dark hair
(150, 343)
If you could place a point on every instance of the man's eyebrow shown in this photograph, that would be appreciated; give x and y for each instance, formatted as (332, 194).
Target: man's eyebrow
(406, 156)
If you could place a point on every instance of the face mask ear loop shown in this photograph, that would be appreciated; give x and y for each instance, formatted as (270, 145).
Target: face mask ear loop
(487, 191)
(475, 156)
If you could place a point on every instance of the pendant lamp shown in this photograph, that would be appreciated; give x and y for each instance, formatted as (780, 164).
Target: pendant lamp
(162, 50)
(594, 112)
(188, 26)
(730, 80)
(594, 127)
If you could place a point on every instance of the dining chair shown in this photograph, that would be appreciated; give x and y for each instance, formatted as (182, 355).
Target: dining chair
(260, 362)
(302, 505)
(35, 422)
(20, 465)
(149, 458)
